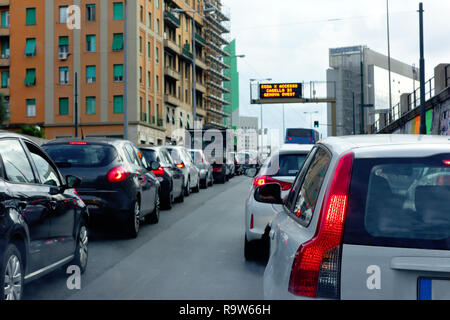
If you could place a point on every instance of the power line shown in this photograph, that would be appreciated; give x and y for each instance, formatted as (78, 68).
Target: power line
(318, 21)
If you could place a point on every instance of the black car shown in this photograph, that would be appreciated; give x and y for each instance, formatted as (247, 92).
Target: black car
(116, 180)
(169, 176)
(43, 222)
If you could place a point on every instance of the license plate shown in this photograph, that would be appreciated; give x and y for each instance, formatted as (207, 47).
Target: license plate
(434, 289)
(92, 206)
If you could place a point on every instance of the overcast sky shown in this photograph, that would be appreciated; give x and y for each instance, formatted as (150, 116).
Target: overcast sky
(288, 41)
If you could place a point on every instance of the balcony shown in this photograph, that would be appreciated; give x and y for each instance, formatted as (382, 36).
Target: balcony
(217, 87)
(200, 87)
(172, 100)
(172, 73)
(4, 3)
(218, 75)
(201, 64)
(4, 92)
(200, 40)
(172, 46)
(219, 100)
(4, 62)
(219, 112)
(187, 52)
(171, 19)
(218, 62)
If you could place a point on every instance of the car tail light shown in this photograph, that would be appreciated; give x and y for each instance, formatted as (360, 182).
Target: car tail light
(118, 174)
(159, 172)
(252, 224)
(235, 162)
(78, 143)
(316, 268)
(217, 169)
(447, 162)
(180, 165)
(260, 181)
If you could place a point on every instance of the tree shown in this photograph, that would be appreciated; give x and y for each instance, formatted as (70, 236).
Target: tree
(33, 131)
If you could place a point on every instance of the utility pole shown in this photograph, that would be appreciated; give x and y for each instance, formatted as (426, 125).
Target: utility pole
(361, 127)
(125, 73)
(389, 63)
(354, 118)
(194, 74)
(423, 124)
(76, 105)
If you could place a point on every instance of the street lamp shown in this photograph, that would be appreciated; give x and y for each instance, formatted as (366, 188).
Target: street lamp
(259, 81)
(194, 57)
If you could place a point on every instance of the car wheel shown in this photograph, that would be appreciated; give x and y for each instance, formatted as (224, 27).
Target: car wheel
(204, 183)
(249, 249)
(134, 220)
(168, 201)
(187, 190)
(11, 278)
(81, 250)
(211, 180)
(180, 198)
(153, 217)
(197, 188)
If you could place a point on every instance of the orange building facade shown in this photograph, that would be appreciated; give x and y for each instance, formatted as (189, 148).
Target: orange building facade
(61, 64)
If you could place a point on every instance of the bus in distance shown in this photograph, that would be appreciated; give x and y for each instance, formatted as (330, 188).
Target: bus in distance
(302, 136)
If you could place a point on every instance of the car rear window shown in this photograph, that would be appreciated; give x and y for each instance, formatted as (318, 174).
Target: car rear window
(303, 133)
(89, 155)
(400, 203)
(285, 165)
(150, 155)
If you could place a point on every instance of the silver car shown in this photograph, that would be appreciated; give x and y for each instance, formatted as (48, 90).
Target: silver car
(281, 167)
(367, 218)
(184, 162)
(206, 169)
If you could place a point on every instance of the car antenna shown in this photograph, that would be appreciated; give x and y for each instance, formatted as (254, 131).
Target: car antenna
(82, 133)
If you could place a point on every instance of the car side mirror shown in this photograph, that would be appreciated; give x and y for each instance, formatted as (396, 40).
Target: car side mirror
(269, 193)
(73, 182)
(154, 165)
(251, 172)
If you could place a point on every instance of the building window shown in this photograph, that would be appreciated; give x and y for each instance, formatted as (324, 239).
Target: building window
(157, 55)
(140, 75)
(140, 44)
(30, 78)
(157, 83)
(63, 106)
(90, 12)
(118, 11)
(91, 41)
(31, 17)
(150, 20)
(118, 72)
(63, 44)
(5, 19)
(141, 13)
(157, 4)
(118, 104)
(5, 48)
(148, 79)
(117, 42)
(5, 79)
(91, 74)
(31, 107)
(149, 49)
(30, 47)
(90, 105)
(63, 75)
(63, 14)
(158, 30)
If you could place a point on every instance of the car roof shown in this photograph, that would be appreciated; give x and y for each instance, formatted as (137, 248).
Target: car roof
(7, 134)
(348, 143)
(295, 147)
(88, 139)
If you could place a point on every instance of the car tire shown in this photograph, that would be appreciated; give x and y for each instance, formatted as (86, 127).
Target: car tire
(12, 269)
(187, 189)
(168, 201)
(211, 181)
(204, 183)
(153, 218)
(81, 250)
(134, 220)
(249, 250)
(197, 188)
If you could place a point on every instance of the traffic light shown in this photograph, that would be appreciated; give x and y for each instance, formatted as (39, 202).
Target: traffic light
(316, 124)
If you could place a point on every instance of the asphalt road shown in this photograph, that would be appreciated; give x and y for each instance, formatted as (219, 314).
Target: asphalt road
(194, 252)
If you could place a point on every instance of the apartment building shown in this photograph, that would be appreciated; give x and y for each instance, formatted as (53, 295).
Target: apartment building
(4, 49)
(65, 74)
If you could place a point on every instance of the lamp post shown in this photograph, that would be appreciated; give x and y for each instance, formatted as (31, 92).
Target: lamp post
(262, 127)
(194, 58)
(125, 72)
(389, 62)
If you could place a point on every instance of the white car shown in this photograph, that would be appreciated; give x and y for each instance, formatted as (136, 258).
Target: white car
(281, 167)
(367, 218)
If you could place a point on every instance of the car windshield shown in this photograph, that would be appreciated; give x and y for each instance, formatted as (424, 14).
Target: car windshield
(284, 165)
(81, 155)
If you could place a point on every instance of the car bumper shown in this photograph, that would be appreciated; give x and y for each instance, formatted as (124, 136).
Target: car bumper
(106, 203)
(262, 213)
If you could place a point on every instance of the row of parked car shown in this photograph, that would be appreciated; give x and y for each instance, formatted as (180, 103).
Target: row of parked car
(361, 217)
(51, 194)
